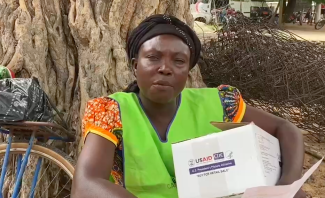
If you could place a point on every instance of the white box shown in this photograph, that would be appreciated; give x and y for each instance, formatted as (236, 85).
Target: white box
(226, 163)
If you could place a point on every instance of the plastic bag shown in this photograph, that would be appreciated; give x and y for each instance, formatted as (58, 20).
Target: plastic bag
(6, 73)
(22, 99)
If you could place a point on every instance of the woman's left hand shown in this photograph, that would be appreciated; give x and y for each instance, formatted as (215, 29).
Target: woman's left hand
(300, 194)
(291, 144)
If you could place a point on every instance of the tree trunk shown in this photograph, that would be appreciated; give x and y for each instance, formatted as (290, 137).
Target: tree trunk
(289, 9)
(275, 12)
(76, 48)
(284, 4)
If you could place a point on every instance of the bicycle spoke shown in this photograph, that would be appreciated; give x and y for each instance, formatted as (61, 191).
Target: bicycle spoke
(38, 167)
(63, 188)
(51, 181)
(19, 160)
(23, 166)
(48, 165)
(5, 163)
(67, 196)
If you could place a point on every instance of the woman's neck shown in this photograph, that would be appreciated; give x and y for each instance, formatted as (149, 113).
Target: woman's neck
(155, 110)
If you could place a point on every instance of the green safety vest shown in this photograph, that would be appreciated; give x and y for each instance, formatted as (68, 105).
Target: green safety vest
(148, 161)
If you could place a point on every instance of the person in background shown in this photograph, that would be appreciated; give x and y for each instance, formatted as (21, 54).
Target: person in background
(231, 11)
(128, 135)
(308, 17)
(6, 73)
(224, 14)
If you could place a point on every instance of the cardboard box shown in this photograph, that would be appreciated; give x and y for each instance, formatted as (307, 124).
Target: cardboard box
(226, 163)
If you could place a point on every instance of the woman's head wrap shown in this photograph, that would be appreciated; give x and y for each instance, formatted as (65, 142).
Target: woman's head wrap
(162, 24)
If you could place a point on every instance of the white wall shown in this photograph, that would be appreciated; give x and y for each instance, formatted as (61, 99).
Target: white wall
(246, 6)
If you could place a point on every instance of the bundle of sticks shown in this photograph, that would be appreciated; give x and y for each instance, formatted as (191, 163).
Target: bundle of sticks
(274, 69)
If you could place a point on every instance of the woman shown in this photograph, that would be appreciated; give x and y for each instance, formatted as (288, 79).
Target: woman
(128, 136)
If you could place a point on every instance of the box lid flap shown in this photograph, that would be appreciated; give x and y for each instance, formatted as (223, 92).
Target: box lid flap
(228, 125)
(223, 126)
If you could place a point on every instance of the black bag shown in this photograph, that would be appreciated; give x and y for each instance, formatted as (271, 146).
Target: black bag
(22, 99)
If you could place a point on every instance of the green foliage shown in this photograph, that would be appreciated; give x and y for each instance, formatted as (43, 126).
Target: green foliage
(320, 1)
(316, 1)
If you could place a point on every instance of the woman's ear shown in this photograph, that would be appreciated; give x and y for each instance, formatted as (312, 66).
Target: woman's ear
(134, 64)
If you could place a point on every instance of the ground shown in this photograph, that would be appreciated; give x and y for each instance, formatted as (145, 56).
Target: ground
(307, 32)
(315, 185)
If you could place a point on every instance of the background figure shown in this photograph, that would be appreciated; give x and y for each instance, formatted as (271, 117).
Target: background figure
(309, 17)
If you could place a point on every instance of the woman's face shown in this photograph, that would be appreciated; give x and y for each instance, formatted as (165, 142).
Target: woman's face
(162, 68)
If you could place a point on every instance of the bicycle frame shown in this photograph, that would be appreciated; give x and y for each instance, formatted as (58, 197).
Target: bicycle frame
(21, 169)
(37, 130)
(4, 165)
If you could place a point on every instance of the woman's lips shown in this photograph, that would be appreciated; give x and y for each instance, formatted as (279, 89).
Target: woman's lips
(161, 87)
(162, 83)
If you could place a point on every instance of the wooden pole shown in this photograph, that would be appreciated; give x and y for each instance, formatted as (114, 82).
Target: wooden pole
(281, 13)
(274, 12)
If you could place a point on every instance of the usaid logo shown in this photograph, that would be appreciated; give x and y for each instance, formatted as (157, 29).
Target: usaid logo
(201, 160)
(218, 156)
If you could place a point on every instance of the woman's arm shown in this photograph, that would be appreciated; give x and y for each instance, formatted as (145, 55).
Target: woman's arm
(289, 136)
(93, 170)
(291, 142)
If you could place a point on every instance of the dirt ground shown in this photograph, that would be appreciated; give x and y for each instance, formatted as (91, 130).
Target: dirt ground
(307, 32)
(315, 185)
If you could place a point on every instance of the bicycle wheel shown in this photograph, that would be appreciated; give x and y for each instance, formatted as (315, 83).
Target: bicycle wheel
(52, 156)
(319, 24)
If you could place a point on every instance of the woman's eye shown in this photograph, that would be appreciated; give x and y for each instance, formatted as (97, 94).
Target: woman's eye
(179, 61)
(152, 58)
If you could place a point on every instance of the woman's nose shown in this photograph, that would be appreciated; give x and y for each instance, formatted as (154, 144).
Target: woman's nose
(165, 69)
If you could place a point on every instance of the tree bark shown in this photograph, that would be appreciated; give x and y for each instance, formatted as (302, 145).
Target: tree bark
(76, 48)
(282, 17)
(275, 12)
(289, 9)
